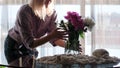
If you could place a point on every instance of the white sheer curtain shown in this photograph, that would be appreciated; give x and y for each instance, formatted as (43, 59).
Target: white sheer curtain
(106, 33)
(8, 10)
(61, 7)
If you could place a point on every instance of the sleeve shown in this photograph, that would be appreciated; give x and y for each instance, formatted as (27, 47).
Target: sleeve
(25, 28)
(52, 26)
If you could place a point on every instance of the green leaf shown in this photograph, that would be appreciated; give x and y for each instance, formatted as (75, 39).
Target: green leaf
(2, 66)
(81, 34)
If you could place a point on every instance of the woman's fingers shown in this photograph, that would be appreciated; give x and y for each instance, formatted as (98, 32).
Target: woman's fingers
(61, 32)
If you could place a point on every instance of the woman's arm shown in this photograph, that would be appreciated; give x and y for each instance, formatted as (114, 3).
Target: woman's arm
(60, 42)
(54, 34)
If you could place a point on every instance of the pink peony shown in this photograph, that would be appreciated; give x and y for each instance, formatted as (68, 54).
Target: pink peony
(75, 20)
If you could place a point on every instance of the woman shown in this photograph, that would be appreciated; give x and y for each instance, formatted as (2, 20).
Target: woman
(33, 21)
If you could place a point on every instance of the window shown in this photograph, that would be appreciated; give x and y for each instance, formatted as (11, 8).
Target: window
(105, 34)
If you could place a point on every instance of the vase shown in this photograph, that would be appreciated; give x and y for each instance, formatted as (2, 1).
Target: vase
(73, 43)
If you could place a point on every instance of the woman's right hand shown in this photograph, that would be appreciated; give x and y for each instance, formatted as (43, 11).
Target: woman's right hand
(59, 33)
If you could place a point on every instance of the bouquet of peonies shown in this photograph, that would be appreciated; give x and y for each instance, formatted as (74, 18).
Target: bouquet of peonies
(75, 26)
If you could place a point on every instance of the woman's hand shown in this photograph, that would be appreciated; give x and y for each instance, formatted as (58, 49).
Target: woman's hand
(59, 33)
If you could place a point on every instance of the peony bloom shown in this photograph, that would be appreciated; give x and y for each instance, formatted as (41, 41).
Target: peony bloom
(75, 20)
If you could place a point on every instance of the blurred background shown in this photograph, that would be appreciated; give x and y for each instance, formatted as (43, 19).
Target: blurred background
(105, 34)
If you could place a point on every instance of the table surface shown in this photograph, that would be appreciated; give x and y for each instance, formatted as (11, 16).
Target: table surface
(110, 65)
(117, 65)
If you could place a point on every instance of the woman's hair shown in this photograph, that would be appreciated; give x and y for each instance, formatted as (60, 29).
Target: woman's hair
(43, 7)
(41, 2)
